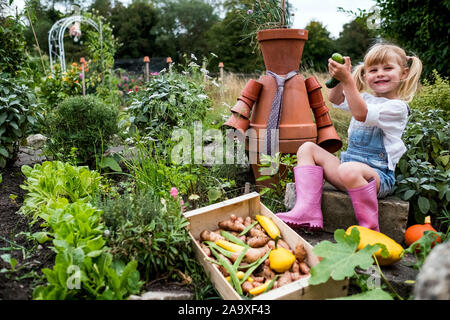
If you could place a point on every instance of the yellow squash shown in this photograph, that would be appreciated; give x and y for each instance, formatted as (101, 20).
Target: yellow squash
(260, 289)
(230, 246)
(371, 237)
(240, 275)
(268, 225)
(281, 260)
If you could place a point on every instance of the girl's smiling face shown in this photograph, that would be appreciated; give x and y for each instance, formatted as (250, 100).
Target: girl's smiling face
(385, 78)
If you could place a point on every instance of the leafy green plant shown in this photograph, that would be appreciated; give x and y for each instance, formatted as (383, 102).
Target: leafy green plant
(422, 247)
(434, 94)
(102, 47)
(168, 101)
(17, 113)
(84, 269)
(57, 86)
(83, 122)
(13, 59)
(152, 171)
(423, 172)
(280, 166)
(150, 230)
(47, 182)
(340, 260)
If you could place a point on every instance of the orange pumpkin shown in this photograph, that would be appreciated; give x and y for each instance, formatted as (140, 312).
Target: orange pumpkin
(416, 232)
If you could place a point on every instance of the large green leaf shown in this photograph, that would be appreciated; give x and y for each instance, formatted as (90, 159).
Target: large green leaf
(340, 259)
(374, 294)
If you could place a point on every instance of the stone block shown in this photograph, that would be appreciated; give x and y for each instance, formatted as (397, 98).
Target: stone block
(338, 211)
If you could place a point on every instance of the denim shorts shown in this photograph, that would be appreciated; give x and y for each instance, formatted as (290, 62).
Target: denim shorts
(365, 145)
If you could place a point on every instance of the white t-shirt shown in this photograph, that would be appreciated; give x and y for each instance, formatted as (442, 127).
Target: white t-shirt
(391, 116)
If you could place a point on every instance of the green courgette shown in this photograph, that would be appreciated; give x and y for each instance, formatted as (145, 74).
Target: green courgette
(339, 59)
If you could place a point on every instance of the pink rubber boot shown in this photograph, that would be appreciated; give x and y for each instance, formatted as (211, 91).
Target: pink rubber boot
(307, 212)
(365, 204)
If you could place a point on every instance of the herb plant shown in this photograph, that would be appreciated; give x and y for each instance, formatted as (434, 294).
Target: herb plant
(423, 171)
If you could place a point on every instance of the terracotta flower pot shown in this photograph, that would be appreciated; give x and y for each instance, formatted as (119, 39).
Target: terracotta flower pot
(251, 90)
(327, 136)
(237, 122)
(242, 108)
(282, 49)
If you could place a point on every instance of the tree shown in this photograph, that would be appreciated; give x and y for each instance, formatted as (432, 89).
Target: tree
(318, 48)
(355, 39)
(42, 19)
(133, 26)
(183, 28)
(421, 27)
(227, 42)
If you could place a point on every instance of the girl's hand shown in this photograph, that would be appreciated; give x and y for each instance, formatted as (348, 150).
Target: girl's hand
(341, 72)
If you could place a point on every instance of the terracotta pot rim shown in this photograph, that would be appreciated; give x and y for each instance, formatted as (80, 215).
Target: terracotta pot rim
(281, 33)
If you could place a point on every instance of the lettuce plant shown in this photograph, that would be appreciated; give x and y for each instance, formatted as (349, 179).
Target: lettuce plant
(51, 180)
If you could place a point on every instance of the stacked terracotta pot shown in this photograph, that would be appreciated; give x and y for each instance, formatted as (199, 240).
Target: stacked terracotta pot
(282, 51)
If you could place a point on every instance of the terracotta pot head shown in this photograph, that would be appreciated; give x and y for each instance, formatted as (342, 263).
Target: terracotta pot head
(282, 49)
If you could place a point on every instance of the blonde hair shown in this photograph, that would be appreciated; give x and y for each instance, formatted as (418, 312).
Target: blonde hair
(382, 53)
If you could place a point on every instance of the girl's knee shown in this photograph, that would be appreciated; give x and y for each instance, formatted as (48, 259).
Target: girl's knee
(306, 148)
(348, 173)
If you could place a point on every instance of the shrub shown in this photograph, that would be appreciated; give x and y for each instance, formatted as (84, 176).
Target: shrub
(423, 172)
(84, 123)
(434, 95)
(17, 108)
(152, 231)
(13, 59)
(56, 87)
(170, 100)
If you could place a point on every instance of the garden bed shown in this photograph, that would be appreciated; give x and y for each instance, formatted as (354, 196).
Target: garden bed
(30, 257)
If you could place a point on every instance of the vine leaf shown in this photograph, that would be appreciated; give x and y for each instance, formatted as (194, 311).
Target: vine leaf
(340, 259)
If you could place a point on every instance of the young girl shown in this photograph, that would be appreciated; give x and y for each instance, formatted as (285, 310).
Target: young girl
(366, 168)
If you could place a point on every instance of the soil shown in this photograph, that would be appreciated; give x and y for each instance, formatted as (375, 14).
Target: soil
(31, 258)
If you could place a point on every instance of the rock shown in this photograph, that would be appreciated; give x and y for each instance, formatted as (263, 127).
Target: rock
(36, 141)
(433, 280)
(164, 295)
(338, 211)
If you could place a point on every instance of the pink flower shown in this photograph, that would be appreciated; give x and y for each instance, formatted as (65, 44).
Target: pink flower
(174, 192)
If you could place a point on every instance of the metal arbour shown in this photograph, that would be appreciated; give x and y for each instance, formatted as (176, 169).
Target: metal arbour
(56, 38)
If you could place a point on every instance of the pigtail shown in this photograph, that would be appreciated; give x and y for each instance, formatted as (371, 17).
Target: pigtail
(409, 85)
(358, 77)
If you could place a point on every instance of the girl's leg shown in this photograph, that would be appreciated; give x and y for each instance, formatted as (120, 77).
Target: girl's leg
(362, 184)
(312, 164)
(343, 176)
(356, 174)
(311, 154)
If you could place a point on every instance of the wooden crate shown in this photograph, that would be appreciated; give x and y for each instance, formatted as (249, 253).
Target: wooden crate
(250, 205)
